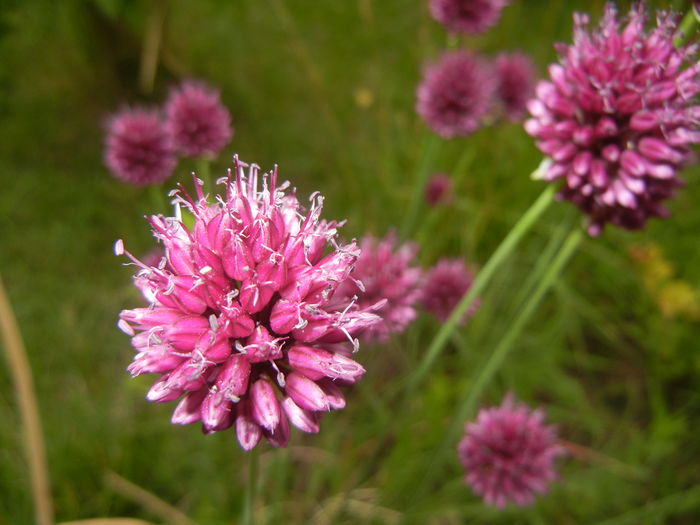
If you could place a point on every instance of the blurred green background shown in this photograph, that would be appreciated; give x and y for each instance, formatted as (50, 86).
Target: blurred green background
(325, 88)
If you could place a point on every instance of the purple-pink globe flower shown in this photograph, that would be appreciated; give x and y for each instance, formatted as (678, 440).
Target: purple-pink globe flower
(456, 94)
(508, 454)
(618, 116)
(516, 82)
(198, 122)
(138, 149)
(386, 271)
(242, 325)
(467, 16)
(444, 286)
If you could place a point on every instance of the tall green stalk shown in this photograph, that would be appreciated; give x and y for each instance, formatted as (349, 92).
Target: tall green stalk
(502, 350)
(482, 279)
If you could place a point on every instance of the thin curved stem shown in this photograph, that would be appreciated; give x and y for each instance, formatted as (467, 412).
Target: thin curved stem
(26, 399)
(482, 279)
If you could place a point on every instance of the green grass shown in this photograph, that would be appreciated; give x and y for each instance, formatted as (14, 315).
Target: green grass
(614, 374)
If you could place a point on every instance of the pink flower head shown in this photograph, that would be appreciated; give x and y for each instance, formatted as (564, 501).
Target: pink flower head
(444, 286)
(197, 120)
(455, 94)
(438, 189)
(241, 327)
(138, 149)
(516, 80)
(618, 117)
(467, 16)
(508, 453)
(386, 275)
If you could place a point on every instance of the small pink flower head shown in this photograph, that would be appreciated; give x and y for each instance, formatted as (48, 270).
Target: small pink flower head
(516, 82)
(386, 280)
(467, 16)
(455, 94)
(242, 325)
(444, 286)
(618, 116)
(197, 120)
(438, 189)
(508, 454)
(138, 149)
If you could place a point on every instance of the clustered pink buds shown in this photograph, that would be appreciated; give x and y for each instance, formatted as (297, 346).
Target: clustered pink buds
(456, 94)
(243, 326)
(138, 149)
(467, 16)
(385, 274)
(197, 120)
(444, 286)
(508, 454)
(618, 116)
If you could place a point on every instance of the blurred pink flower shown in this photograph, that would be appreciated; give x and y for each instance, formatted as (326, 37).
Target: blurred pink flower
(438, 189)
(444, 286)
(456, 94)
(618, 116)
(384, 274)
(241, 326)
(467, 16)
(516, 82)
(138, 150)
(508, 454)
(197, 120)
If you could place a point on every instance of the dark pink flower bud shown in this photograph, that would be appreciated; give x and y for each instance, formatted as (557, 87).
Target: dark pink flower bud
(444, 286)
(306, 393)
(138, 149)
(508, 454)
(304, 420)
(455, 94)
(197, 121)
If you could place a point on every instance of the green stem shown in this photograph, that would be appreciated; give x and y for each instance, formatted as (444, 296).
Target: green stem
(482, 279)
(21, 373)
(500, 353)
(251, 488)
(430, 146)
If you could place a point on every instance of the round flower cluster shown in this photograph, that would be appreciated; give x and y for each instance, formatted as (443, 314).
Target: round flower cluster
(138, 149)
(243, 325)
(618, 116)
(508, 453)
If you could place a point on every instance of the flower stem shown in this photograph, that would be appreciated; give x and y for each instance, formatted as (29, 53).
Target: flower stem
(500, 353)
(26, 399)
(251, 488)
(482, 279)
